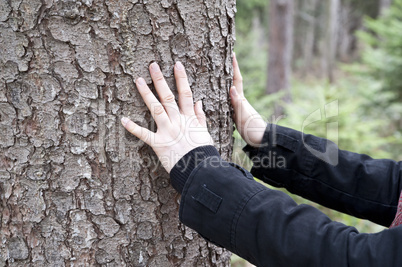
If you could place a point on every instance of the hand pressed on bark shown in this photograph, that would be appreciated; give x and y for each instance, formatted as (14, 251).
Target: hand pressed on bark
(181, 128)
(248, 122)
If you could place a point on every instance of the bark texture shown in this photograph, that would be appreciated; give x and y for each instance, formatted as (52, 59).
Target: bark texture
(76, 188)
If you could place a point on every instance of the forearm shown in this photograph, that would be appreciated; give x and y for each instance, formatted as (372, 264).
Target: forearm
(357, 184)
(226, 206)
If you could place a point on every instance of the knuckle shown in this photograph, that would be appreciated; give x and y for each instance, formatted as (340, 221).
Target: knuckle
(201, 118)
(148, 93)
(158, 110)
(131, 128)
(159, 77)
(181, 75)
(169, 98)
(146, 137)
(187, 93)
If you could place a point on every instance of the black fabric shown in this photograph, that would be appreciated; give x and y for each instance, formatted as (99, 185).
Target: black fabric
(358, 185)
(183, 168)
(223, 203)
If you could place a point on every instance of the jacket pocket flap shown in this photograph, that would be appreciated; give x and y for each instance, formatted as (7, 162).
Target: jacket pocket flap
(208, 198)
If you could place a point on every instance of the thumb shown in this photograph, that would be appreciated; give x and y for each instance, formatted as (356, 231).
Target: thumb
(143, 134)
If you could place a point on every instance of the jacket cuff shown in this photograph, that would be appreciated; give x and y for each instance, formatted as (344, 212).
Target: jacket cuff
(280, 154)
(256, 153)
(183, 168)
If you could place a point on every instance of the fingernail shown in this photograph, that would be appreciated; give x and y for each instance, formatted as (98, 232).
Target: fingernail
(140, 81)
(199, 103)
(234, 54)
(233, 91)
(155, 66)
(179, 65)
(124, 121)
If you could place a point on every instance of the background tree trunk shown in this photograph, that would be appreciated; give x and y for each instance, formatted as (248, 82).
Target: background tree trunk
(325, 32)
(384, 5)
(349, 22)
(304, 35)
(330, 42)
(76, 188)
(280, 46)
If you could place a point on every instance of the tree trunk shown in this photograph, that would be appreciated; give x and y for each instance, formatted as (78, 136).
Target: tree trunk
(304, 37)
(76, 188)
(349, 22)
(280, 46)
(384, 6)
(330, 42)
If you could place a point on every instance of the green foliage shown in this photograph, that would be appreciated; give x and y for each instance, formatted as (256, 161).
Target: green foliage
(253, 65)
(383, 49)
(247, 10)
(252, 45)
(359, 126)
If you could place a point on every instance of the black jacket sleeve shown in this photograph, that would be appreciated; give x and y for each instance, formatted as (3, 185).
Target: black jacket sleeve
(352, 183)
(223, 203)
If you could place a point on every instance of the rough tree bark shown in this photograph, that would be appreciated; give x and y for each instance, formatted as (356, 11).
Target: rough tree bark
(76, 189)
(280, 46)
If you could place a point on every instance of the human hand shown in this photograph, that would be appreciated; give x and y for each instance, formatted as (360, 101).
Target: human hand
(180, 128)
(248, 122)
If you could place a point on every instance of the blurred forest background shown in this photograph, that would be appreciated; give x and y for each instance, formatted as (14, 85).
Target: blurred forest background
(296, 56)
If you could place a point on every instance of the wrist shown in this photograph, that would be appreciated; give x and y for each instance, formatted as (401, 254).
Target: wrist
(252, 149)
(254, 134)
(183, 168)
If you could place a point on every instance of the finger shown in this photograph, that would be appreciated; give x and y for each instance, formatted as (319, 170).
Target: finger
(235, 98)
(238, 103)
(242, 108)
(237, 78)
(186, 101)
(155, 107)
(199, 112)
(143, 134)
(165, 94)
